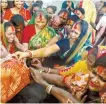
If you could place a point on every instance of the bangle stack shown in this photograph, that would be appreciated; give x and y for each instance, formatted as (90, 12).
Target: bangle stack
(48, 89)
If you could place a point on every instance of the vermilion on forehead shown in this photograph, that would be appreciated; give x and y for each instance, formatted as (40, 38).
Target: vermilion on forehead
(76, 26)
(40, 16)
(100, 69)
(13, 29)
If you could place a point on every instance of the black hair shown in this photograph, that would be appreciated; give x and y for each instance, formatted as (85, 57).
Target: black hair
(63, 10)
(17, 19)
(54, 8)
(36, 5)
(74, 18)
(40, 2)
(6, 25)
(104, 5)
(101, 61)
(81, 10)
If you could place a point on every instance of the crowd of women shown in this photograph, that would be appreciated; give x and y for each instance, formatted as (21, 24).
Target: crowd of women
(64, 53)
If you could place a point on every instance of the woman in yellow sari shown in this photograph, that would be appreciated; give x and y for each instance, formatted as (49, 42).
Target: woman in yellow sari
(85, 76)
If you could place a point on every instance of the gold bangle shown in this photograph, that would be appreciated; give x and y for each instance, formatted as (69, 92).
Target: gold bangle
(48, 88)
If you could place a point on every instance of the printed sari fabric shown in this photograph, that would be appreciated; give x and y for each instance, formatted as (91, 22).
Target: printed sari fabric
(82, 44)
(76, 77)
(23, 12)
(42, 38)
(14, 77)
(10, 47)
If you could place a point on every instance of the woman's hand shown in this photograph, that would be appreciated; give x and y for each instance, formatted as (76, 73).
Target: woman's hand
(16, 40)
(20, 55)
(36, 63)
(36, 75)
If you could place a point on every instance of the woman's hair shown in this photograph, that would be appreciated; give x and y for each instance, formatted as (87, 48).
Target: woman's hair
(39, 2)
(101, 61)
(35, 5)
(17, 20)
(63, 10)
(81, 10)
(37, 13)
(6, 25)
(54, 8)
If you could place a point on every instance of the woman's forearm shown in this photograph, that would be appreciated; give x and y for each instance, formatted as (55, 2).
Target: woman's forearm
(62, 95)
(45, 52)
(21, 47)
(53, 40)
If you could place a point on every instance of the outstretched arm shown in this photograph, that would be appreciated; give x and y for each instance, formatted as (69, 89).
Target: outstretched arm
(39, 53)
(62, 95)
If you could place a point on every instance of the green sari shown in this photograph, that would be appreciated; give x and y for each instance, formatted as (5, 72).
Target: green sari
(40, 39)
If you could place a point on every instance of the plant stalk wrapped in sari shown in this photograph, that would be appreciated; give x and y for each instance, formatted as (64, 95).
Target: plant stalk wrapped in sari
(42, 37)
(14, 77)
(82, 44)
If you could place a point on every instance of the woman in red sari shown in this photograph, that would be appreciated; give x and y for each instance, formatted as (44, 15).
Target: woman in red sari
(9, 39)
(18, 9)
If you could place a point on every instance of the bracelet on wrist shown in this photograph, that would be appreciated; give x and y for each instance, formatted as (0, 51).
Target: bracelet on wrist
(48, 88)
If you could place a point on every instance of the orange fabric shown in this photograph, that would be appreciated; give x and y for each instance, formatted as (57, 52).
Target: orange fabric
(23, 12)
(8, 14)
(14, 77)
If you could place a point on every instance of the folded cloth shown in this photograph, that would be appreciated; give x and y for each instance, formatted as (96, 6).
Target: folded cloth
(14, 77)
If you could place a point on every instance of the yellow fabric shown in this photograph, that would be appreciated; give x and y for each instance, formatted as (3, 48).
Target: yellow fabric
(80, 66)
(90, 11)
